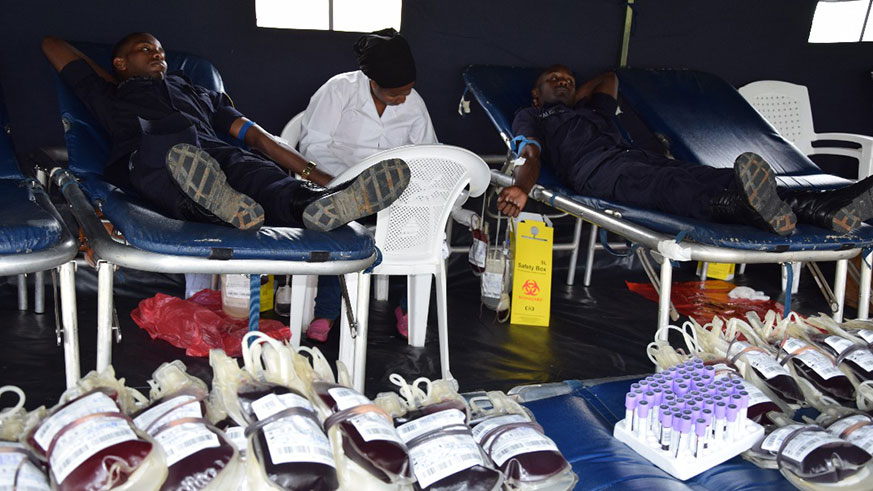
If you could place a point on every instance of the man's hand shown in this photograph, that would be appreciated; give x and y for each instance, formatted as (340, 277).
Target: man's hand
(511, 201)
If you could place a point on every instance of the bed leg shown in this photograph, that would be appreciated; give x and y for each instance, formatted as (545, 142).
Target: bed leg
(362, 307)
(664, 297)
(574, 256)
(589, 255)
(22, 292)
(840, 288)
(704, 268)
(864, 287)
(104, 314)
(70, 322)
(39, 292)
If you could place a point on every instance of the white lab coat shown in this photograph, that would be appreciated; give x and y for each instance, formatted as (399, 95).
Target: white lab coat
(341, 126)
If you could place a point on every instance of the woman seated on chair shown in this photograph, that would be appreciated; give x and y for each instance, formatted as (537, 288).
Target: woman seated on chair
(354, 115)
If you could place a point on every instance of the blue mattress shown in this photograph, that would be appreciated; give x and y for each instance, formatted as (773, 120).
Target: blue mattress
(501, 91)
(581, 425)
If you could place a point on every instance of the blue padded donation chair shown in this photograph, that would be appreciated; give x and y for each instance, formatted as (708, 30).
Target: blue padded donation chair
(35, 239)
(699, 112)
(149, 241)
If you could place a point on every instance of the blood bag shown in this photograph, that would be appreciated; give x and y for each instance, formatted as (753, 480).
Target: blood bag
(857, 357)
(775, 376)
(518, 446)
(89, 443)
(817, 368)
(812, 454)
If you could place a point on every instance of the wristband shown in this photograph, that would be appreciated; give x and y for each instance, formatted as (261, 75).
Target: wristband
(307, 169)
(243, 130)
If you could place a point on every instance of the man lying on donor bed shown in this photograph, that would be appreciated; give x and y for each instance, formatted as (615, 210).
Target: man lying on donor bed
(573, 130)
(166, 145)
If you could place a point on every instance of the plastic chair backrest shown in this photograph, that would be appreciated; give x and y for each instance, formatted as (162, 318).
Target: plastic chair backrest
(786, 106)
(292, 131)
(410, 231)
(8, 163)
(88, 144)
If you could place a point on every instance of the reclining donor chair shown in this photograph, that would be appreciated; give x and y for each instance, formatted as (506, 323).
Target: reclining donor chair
(702, 119)
(148, 241)
(35, 239)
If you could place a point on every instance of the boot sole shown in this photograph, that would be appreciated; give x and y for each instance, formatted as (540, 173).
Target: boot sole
(758, 185)
(850, 217)
(370, 192)
(200, 177)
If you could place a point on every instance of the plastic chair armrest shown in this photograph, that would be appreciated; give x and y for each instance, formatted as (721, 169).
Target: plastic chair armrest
(864, 154)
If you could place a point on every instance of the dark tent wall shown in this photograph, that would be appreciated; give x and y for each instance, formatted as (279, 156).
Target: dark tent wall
(271, 73)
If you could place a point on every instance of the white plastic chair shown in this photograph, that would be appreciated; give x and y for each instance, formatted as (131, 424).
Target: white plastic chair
(409, 233)
(786, 106)
(292, 131)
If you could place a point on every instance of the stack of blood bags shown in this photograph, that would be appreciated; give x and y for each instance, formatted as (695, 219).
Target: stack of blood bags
(817, 368)
(686, 420)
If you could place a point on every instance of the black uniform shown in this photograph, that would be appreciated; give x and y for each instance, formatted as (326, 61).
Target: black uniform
(146, 116)
(585, 149)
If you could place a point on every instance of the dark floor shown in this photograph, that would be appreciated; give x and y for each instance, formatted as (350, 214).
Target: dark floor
(595, 332)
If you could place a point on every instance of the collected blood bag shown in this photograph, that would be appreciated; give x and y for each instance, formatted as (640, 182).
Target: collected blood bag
(809, 453)
(776, 377)
(368, 436)
(518, 446)
(286, 439)
(857, 357)
(433, 425)
(817, 368)
(479, 245)
(90, 444)
(198, 455)
(19, 470)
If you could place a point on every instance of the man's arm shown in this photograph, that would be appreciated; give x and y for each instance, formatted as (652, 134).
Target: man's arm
(513, 198)
(277, 151)
(605, 83)
(60, 53)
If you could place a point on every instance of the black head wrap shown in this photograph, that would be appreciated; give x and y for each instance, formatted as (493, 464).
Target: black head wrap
(384, 56)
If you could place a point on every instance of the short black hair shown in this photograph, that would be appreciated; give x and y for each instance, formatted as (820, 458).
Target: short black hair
(123, 42)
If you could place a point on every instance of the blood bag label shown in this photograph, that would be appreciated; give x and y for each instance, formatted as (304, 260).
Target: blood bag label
(842, 425)
(26, 476)
(801, 445)
(294, 438)
(443, 456)
(862, 437)
(237, 436)
(774, 440)
(346, 398)
(766, 366)
(183, 440)
(98, 402)
(815, 360)
(512, 442)
(865, 334)
(478, 249)
(82, 441)
(374, 426)
(862, 357)
(431, 422)
(492, 284)
(184, 406)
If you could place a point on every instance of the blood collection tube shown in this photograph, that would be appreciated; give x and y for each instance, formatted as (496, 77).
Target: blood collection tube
(680, 388)
(706, 414)
(666, 429)
(642, 419)
(731, 428)
(684, 435)
(700, 430)
(630, 405)
(695, 412)
(718, 425)
(744, 406)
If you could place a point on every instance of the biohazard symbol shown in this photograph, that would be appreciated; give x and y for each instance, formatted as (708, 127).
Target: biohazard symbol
(530, 287)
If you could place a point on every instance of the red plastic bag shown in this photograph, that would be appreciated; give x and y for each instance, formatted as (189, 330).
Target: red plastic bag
(198, 324)
(702, 300)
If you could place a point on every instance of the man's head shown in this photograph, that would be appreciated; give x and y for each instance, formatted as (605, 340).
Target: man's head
(556, 84)
(384, 56)
(138, 54)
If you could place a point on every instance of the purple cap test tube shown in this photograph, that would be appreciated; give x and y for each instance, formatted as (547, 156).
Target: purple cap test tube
(630, 406)
(732, 412)
(720, 413)
(642, 419)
